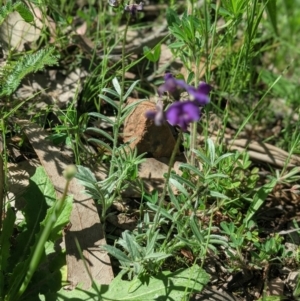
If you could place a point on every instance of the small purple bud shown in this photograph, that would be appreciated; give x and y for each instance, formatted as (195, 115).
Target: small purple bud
(134, 8)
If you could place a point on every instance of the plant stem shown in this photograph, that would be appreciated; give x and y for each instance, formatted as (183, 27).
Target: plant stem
(119, 113)
(163, 195)
(39, 248)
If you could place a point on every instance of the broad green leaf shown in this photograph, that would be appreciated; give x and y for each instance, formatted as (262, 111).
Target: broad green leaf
(39, 191)
(38, 197)
(174, 286)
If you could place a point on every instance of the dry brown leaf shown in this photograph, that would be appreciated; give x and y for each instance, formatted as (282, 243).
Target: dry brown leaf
(275, 287)
(85, 222)
(81, 30)
(15, 32)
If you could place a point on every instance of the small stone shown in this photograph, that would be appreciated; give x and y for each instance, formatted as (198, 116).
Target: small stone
(142, 133)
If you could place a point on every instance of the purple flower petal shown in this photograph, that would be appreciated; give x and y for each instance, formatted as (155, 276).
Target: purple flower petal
(157, 115)
(134, 8)
(171, 85)
(183, 113)
(201, 94)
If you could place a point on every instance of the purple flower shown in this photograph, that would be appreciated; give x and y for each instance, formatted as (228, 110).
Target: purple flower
(171, 85)
(157, 115)
(183, 113)
(201, 94)
(134, 8)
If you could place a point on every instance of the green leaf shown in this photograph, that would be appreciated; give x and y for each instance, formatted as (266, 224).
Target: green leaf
(157, 52)
(131, 245)
(202, 157)
(272, 13)
(101, 132)
(24, 12)
(5, 10)
(116, 85)
(40, 192)
(157, 256)
(101, 116)
(61, 221)
(165, 286)
(172, 17)
(219, 195)
(177, 45)
(27, 64)
(211, 151)
(179, 186)
(162, 211)
(88, 180)
(111, 91)
(174, 285)
(131, 88)
(148, 54)
(116, 253)
(193, 169)
(38, 197)
(128, 108)
(195, 229)
(259, 198)
(109, 100)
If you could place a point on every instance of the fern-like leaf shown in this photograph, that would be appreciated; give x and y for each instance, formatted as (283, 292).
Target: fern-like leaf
(29, 63)
(5, 10)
